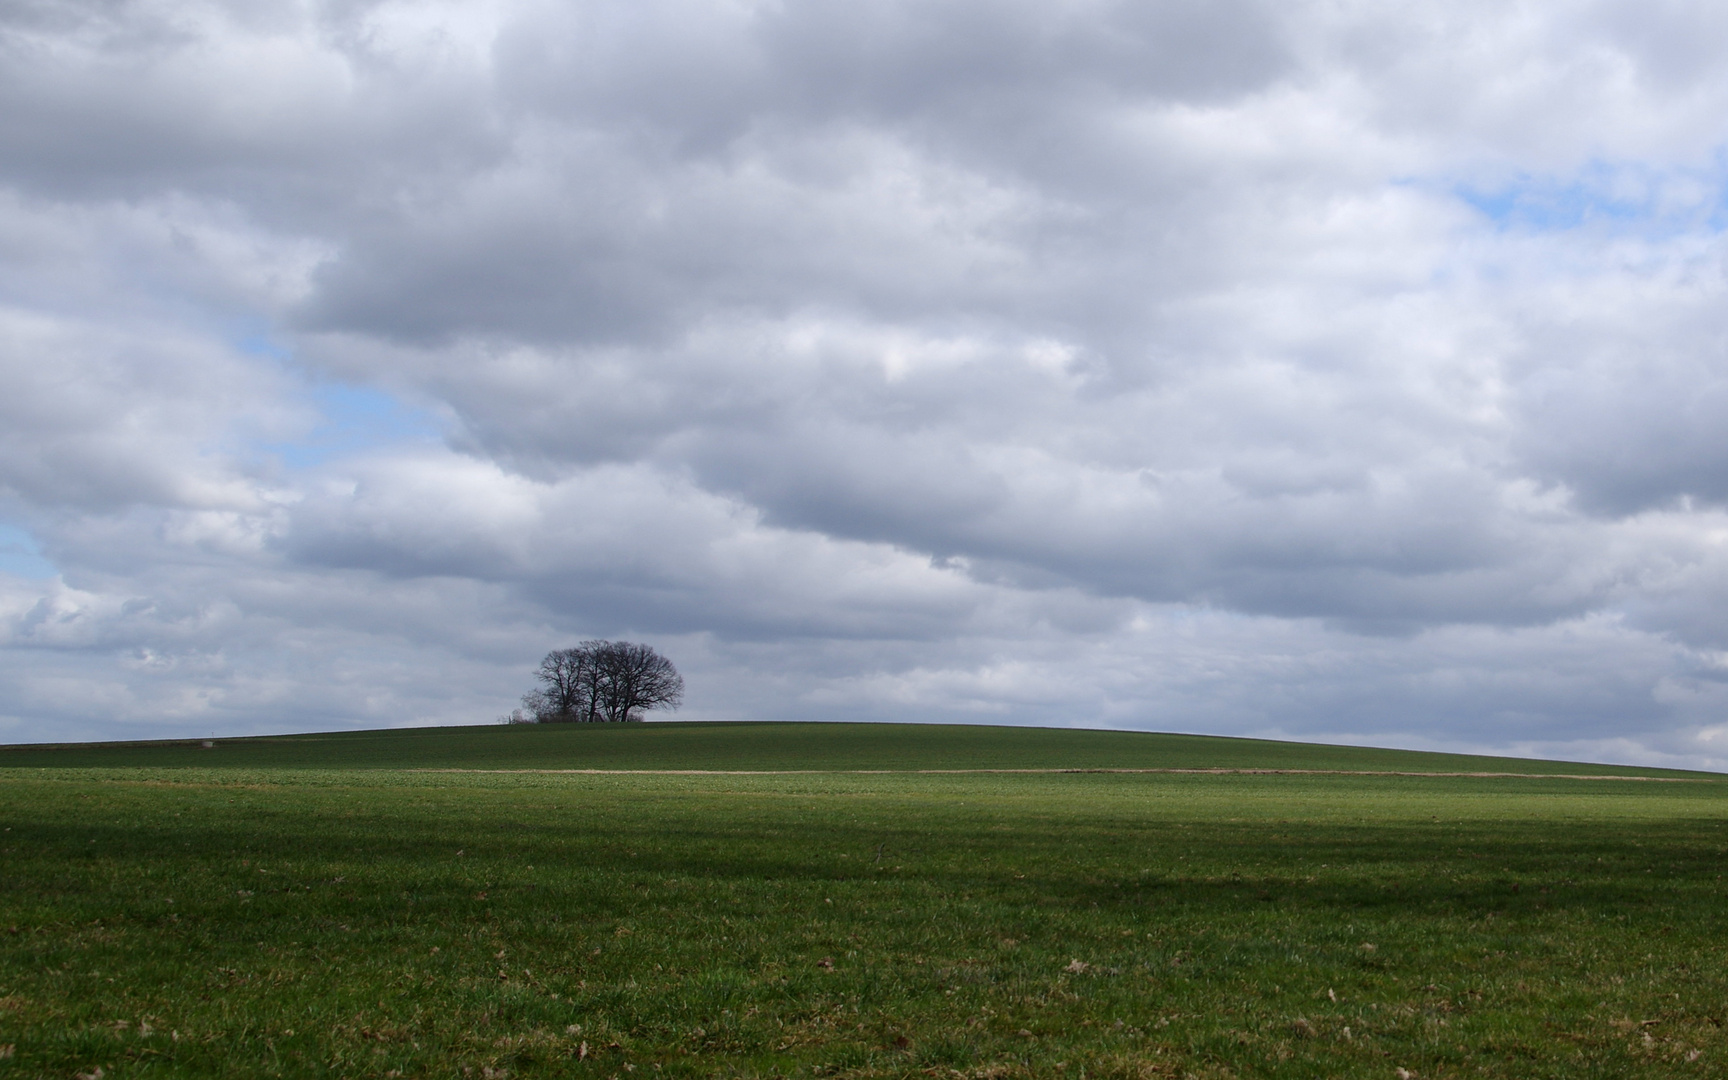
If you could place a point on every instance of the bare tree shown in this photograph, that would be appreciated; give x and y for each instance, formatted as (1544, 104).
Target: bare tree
(614, 681)
(634, 679)
(567, 685)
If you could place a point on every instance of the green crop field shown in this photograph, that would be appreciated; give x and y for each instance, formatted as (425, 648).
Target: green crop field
(767, 747)
(799, 900)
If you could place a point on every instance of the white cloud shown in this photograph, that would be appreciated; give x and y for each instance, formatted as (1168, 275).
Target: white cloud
(1308, 370)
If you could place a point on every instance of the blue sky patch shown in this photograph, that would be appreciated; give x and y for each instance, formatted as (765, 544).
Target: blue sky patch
(356, 419)
(20, 555)
(1618, 197)
(262, 344)
(353, 419)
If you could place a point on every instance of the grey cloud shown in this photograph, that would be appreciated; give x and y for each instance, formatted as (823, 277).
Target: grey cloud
(705, 74)
(584, 241)
(1632, 415)
(623, 545)
(94, 419)
(1672, 46)
(971, 451)
(608, 222)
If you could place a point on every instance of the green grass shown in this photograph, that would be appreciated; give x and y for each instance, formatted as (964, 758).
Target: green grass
(766, 746)
(158, 918)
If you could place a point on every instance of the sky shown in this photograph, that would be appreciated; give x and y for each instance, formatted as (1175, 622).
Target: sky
(1310, 369)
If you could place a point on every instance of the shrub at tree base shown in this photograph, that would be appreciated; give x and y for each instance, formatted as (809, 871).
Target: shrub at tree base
(601, 682)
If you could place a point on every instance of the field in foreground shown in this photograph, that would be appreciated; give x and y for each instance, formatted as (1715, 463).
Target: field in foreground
(170, 920)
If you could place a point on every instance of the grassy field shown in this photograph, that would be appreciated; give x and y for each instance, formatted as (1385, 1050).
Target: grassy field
(316, 907)
(767, 746)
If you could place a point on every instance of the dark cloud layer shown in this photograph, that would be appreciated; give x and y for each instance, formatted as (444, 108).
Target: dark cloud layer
(1308, 370)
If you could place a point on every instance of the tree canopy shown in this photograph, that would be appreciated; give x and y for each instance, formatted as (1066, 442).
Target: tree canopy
(602, 682)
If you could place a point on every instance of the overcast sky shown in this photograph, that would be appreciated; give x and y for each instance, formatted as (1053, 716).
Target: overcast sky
(1323, 370)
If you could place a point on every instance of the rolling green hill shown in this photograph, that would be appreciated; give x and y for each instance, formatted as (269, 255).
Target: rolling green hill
(609, 902)
(771, 747)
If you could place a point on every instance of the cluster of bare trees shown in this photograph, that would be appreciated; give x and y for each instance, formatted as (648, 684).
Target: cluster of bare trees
(600, 682)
